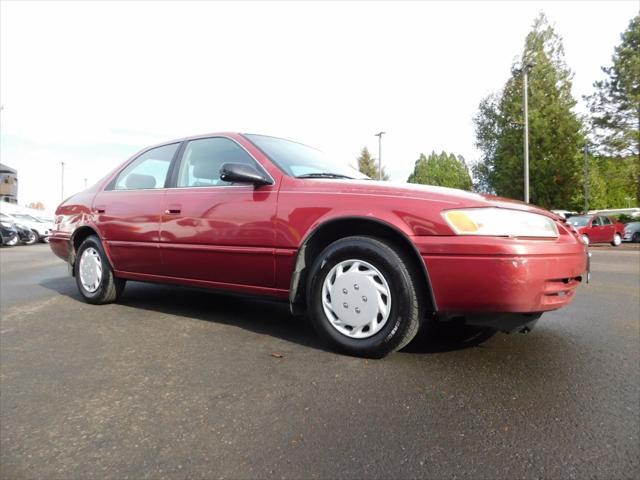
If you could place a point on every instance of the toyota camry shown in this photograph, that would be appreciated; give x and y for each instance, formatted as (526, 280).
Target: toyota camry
(369, 262)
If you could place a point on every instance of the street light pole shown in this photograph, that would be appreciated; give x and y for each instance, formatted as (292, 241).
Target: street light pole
(379, 135)
(525, 74)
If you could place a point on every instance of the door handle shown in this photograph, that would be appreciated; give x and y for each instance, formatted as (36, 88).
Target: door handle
(100, 209)
(172, 211)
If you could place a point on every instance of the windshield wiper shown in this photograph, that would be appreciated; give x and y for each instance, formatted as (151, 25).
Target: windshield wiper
(324, 175)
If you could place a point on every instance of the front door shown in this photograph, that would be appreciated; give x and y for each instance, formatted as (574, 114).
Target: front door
(596, 235)
(128, 212)
(215, 231)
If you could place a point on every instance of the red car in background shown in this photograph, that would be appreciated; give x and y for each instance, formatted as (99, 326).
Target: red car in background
(598, 229)
(370, 262)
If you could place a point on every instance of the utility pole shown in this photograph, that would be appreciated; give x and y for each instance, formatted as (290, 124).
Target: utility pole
(525, 93)
(586, 179)
(379, 135)
(61, 181)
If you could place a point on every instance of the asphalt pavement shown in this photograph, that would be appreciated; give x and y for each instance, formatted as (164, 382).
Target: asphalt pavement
(178, 383)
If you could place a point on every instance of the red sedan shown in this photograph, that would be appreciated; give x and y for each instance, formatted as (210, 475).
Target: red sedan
(598, 229)
(371, 262)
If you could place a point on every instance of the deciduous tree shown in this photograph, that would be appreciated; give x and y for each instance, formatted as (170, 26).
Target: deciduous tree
(444, 169)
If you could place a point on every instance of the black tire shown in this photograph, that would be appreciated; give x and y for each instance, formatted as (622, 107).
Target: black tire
(110, 287)
(635, 238)
(33, 238)
(12, 242)
(406, 290)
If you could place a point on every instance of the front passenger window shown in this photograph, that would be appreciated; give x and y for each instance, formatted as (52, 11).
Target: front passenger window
(202, 159)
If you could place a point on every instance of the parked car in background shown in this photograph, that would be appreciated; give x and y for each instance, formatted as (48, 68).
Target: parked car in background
(8, 234)
(40, 228)
(26, 235)
(371, 262)
(564, 213)
(598, 229)
(631, 232)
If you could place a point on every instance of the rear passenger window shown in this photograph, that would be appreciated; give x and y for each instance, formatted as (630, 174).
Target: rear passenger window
(605, 220)
(202, 159)
(148, 171)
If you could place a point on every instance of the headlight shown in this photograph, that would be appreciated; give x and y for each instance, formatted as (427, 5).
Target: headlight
(500, 222)
(6, 224)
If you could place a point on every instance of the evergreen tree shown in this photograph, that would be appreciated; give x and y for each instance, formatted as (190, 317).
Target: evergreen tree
(445, 170)
(555, 132)
(615, 121)
(369, 165)
(615, 105)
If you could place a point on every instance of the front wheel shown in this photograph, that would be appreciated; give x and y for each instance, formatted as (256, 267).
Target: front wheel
(94, 275)
(617, 240)
(31, 238)
(585, 239)
(13, 241)
(364, 297)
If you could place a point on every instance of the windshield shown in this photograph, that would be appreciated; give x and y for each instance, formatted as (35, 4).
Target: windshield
(298, 160)
(579, 221)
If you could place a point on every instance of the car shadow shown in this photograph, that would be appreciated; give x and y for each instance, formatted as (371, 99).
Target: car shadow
(259, 315)
(446, 337)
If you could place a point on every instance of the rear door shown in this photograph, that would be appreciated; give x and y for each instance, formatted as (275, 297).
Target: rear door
(215, 231)
(608, 229)
(128, 211)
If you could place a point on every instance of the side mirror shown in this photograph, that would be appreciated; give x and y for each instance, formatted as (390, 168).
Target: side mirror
(242, 173)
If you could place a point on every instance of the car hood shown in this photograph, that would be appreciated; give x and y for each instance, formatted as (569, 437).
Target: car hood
(457, 198)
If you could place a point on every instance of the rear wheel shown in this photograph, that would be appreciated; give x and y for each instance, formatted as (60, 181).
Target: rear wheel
(94, 275)
(635, 237)
(364, 298)
(617, 240)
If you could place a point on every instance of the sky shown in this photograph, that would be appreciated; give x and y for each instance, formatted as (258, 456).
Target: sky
(91, 83)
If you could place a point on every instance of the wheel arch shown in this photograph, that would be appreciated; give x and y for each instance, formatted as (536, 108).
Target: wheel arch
(334, 229)
(78, 236)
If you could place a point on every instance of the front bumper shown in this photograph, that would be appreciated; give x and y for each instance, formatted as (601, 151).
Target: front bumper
(503, 275)
(61, 246)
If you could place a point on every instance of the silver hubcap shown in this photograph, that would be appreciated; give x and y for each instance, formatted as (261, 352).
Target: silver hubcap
(617, 240)
(90, 269)
(585, 239)
(356, 299)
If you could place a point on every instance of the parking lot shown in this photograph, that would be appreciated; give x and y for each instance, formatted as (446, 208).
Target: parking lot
(177, 383)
